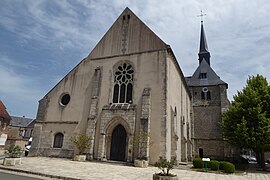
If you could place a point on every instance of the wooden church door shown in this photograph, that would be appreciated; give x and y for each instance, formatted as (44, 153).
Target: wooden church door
(118, 143)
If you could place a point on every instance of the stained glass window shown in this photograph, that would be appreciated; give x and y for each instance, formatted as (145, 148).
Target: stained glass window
(123, 84)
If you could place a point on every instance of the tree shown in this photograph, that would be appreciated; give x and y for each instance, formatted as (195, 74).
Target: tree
(165, 166)
(81, 141)
(246, 124)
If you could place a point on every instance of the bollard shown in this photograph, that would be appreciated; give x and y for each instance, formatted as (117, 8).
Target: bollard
(205, 163)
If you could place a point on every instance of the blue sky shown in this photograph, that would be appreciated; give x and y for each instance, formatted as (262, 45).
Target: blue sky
(41, 40)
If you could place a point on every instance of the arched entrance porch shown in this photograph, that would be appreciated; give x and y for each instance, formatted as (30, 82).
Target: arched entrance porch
(116, 141)
(118, 144)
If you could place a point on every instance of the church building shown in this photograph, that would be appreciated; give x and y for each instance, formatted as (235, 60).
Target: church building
(209, 101)
(130, 83)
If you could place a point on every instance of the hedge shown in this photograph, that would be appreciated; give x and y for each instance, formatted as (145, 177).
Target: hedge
(197, 163)
(229, 167)
(214, 165)
(221, 165)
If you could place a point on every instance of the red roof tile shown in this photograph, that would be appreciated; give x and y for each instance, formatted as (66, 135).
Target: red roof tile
(3, 113)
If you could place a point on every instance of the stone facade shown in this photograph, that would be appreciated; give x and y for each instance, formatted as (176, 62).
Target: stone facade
(130, 83)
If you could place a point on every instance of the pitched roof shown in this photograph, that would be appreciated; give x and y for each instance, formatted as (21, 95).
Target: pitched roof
(127, 35)
(3, 113)
(20, 121)
(211, 77)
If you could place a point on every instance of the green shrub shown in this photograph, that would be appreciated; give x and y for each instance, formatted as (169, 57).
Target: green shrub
(229, 167)
(165, 166)
(14, 151)
(214, 165)
(81, 141)
(221, 165)
(197, 163)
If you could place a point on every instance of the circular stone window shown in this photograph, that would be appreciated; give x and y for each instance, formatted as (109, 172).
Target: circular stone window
(65, 99)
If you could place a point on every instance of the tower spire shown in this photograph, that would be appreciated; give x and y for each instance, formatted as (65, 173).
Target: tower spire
(203, 51)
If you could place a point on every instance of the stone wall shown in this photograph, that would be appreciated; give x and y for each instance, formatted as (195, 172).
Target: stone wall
(42, 107)
(43, 139)
(211, 147)
(207, 121)
(178, 107)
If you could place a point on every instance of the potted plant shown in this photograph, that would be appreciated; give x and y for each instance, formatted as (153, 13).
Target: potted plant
(82, 142)
(14, 154)
(165, 167)
(142, 141)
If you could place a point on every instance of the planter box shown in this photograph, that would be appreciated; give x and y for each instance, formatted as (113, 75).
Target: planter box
(141, 163)
(159, 177)
(12, 161)
(79, 158)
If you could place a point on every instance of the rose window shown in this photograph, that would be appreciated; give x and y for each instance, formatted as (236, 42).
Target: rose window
(123, 84)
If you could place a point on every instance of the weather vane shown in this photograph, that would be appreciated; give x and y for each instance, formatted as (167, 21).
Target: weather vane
(201, 15)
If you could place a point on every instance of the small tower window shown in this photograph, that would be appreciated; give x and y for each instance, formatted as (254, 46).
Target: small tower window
(205, 94)
(203, 76)
(208, 95)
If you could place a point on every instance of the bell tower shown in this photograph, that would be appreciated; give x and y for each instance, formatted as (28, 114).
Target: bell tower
(209, 100)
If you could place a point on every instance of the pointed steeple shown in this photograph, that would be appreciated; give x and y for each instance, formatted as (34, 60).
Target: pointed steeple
(203, 51)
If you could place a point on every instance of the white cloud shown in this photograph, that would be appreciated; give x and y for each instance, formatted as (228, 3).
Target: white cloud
(19, 92)
(237, 33)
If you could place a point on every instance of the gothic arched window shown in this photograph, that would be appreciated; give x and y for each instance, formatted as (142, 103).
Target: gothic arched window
(58, 140)
(123, 83)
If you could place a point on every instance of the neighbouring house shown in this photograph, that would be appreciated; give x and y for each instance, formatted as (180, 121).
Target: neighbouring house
(131, 82)
(20, 130)
(4, 122)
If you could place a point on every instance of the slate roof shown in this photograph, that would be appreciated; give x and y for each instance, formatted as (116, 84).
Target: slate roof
(203, 42)
(20, 121)
(3, 113)
(203, 51)
(212, 77)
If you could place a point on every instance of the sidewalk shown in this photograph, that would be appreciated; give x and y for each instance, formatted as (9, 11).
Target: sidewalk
(68, 169)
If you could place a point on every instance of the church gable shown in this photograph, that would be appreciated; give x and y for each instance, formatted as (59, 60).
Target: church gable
(127, 35)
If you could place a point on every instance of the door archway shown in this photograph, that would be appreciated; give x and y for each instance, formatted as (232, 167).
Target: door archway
(118, 143)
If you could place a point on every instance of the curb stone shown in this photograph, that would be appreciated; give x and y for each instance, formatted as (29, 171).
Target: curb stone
(39, 174)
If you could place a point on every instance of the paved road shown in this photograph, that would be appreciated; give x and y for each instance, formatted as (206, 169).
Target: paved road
(9, 176)
(66, 168)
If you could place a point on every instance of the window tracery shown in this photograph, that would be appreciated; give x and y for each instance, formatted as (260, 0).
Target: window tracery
(123, 83)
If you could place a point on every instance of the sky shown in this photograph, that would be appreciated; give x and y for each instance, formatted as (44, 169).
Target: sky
(41, 40)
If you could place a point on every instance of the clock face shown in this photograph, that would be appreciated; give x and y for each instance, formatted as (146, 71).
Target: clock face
(205, 89)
